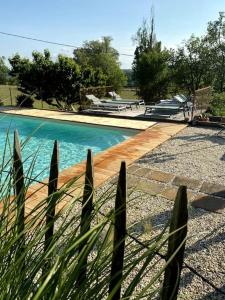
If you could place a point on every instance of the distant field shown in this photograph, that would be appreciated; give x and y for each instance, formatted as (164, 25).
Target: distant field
(10, 99)
(6, 96)
(128, 93)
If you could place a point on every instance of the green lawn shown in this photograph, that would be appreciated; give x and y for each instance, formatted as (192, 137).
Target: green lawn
(128, 93)
(8, 92)
(11, 99)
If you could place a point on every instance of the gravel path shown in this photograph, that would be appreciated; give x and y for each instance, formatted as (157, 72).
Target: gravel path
(195, 152)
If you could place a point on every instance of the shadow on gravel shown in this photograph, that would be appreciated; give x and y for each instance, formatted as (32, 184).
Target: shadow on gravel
(157, 158)
(216, 140)
(186, 280)
(215, 295)
(206, 241)
(164, 156)
(153, 222)
(158, 222)
(214, 236)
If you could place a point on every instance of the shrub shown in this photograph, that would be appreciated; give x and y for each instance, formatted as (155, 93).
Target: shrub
(218, 104)
(24, 101)
(97, 91)
(84, 104)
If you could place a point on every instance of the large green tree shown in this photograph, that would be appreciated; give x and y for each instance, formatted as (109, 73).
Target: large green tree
(201, 60)
(55, 82)
(190, 65)
(103, 58)
(150, 65)
(215, 40)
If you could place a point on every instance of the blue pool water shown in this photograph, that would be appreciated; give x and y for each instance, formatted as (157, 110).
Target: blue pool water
(74, 140)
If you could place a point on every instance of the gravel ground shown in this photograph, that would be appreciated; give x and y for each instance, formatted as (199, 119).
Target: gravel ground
(205, 248)
(195, 152)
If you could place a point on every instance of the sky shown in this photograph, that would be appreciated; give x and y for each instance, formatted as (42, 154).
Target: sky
(76, 21)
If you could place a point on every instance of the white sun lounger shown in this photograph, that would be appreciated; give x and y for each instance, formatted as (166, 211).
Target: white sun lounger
(97, 103)
(114, 95)
(116, 98)
(178, 99)
(164, 108)
(181, 100)
(128, 103)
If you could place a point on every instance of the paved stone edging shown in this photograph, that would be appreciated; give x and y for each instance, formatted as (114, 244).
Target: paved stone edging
(78, 118)
(201, 194)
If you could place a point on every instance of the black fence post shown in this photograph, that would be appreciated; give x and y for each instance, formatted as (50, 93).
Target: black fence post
(87, 207)
(19, 187)
(119, 235)
(51, 205)
(176, 244)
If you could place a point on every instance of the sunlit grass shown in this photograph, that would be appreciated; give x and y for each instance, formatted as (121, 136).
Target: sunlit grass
(10, 98)
(128, 93)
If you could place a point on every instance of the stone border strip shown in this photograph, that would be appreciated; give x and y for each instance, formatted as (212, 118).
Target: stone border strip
(78, 118)
(201, 194)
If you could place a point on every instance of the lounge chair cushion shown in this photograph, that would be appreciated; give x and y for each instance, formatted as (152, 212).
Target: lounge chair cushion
(93, 98)
(179, 99)
(114, 95)
(97, 102)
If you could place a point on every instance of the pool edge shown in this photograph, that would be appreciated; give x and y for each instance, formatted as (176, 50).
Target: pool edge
(62, 116)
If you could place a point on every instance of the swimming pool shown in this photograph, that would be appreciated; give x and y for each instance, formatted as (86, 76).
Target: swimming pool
(74, 140)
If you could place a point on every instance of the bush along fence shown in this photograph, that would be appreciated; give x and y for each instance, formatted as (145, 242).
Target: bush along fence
(83, 252)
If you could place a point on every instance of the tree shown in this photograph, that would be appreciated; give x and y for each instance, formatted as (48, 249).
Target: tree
(67, 81)
(190, 65)
(130, 77)
(57, 83)
(4, 71)
(102, 58)
(89, 54)
(201, 61)
(215, 39)
(150, 65)
(152, 74)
